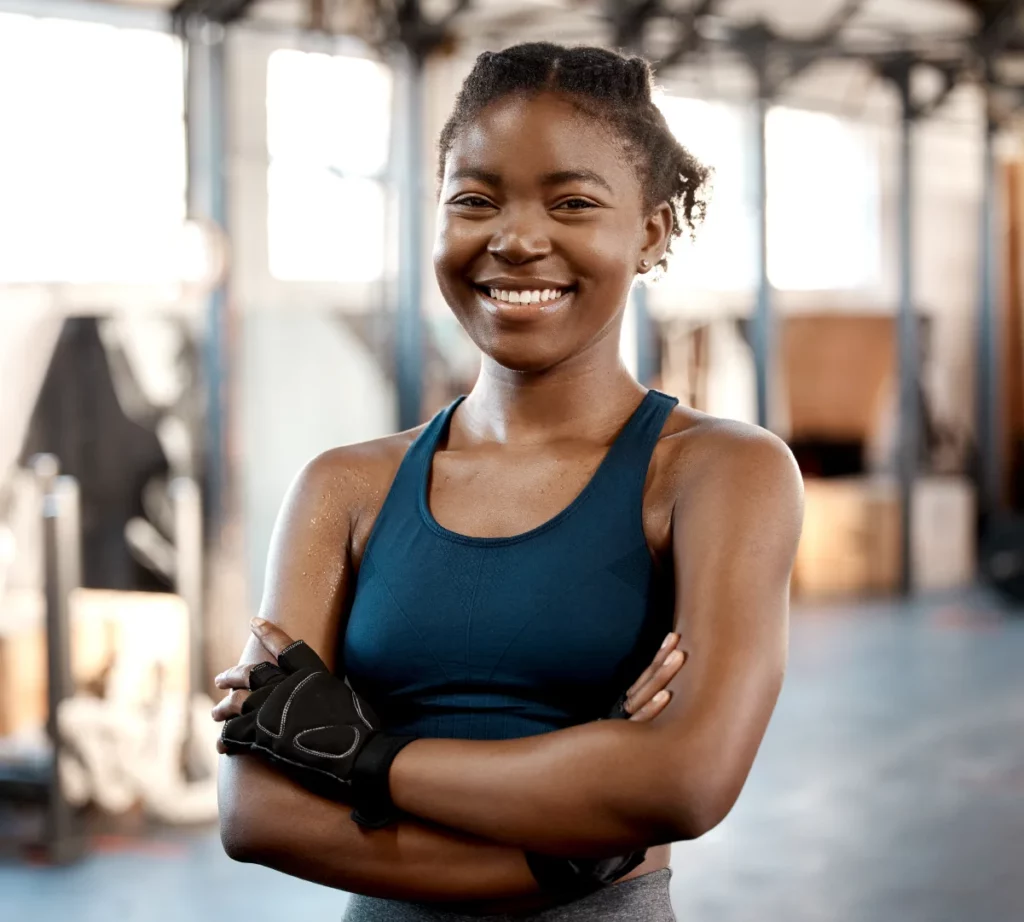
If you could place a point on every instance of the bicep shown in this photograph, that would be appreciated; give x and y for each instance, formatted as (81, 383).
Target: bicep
(308, 567)
(305, 592)
(733, 547)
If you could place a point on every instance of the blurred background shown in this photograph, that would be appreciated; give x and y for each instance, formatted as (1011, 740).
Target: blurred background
(216, 212)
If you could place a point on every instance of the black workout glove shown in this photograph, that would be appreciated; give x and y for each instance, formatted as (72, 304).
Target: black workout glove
(313, 726)
(574, 878)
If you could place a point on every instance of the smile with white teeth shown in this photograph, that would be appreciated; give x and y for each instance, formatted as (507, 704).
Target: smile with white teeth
(526, 297)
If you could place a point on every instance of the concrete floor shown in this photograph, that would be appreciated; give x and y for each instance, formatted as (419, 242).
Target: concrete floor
(890, 786)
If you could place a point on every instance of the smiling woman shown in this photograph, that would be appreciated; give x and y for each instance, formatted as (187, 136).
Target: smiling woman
(489, 584)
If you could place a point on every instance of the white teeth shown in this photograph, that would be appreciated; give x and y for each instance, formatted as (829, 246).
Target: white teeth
(525, 297)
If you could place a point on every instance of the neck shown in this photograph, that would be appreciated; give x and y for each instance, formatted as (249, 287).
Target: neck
(578, 398)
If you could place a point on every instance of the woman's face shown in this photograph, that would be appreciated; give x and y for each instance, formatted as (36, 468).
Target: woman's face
(540, 230)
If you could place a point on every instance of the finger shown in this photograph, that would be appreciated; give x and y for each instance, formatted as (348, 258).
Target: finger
(665, 673)
(653, 707)
(263, 674)
(666, 648)
(300, 655)
(274, 640)
(235, 677)
(229, 706)
(221, 748)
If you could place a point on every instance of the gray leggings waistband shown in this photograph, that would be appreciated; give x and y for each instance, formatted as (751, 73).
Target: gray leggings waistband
(641, 899)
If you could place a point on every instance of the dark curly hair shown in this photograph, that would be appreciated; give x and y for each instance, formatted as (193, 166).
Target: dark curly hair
(609, 86)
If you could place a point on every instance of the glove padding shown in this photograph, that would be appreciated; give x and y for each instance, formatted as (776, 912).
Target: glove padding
(574, 878)
(313, 727)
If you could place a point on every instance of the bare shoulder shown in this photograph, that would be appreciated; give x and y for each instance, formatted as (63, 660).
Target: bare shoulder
(724, 459)
(350, 482)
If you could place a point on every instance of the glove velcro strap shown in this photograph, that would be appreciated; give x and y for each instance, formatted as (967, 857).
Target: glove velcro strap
(574, 878)
(371, 790)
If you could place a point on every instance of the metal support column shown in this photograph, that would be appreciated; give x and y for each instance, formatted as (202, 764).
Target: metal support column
(762, 331)
(188, 571)
(408, 162)
(62, 542)
(647, 360)
(990, 475)
(907, 331)
(207, 200)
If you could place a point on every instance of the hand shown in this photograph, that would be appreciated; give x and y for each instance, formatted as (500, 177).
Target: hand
(642, 703)
(236, 679)
(647, 697)
(312, 726)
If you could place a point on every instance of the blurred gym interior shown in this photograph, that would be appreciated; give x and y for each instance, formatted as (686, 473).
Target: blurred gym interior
(212, 211)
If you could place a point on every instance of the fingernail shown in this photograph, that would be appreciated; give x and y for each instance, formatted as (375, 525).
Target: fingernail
(660, 697)
(257, 624)
(674, 657)
(667, 641)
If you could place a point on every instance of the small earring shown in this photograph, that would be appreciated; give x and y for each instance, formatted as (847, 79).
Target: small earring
(644, 265)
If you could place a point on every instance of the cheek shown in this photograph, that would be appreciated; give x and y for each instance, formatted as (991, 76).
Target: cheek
(454, 247)
(609, 259)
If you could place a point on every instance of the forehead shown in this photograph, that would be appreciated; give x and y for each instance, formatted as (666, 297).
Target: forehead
(525, 138)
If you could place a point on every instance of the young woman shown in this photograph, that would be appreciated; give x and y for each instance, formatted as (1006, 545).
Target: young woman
(492, 581)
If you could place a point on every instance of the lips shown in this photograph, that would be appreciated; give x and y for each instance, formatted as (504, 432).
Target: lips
(524, 310)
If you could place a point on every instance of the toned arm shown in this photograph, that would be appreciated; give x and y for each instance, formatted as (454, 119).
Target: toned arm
(267, 819)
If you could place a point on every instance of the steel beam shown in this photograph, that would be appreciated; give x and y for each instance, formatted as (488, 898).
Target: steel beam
(756, 45)
(989, 381)
(416, 38)
(408, 164)
(62, 543)
(762, 330)
(647, 360)
(206, 114)
(909, 387)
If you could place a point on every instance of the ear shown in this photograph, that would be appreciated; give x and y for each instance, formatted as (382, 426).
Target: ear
(657, 230)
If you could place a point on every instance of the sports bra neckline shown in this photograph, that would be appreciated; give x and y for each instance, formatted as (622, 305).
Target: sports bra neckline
(588, 489)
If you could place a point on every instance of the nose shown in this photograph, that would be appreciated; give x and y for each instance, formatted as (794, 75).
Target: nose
(519, 239)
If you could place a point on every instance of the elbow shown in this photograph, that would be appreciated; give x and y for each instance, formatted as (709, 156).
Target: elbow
(700, 809)
(239, 839)
(242, 826)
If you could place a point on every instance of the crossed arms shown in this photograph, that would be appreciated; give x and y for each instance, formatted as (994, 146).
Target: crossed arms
(598, 789)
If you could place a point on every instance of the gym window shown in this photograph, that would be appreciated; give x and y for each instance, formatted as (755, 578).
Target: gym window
(722, 256)
(328, 131)
(824, 221)
(93, 170)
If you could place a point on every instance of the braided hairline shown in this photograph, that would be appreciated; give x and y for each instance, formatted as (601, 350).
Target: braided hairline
(607, 86)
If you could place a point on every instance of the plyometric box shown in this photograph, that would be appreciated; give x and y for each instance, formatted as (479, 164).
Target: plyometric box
(127, 646)
(851, 541)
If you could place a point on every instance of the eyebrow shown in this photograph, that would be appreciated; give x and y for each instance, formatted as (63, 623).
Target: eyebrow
(468, 172)
(564, 176)
(551, 179)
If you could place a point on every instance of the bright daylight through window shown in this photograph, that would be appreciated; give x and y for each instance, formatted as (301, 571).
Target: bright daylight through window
(94, 188)
(824, 223)
(328, 124)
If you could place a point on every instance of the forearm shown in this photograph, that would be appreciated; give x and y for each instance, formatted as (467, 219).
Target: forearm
(266, 819)
(595, 790)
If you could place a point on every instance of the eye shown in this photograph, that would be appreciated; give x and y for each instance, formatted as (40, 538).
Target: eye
(575, 204)
(471, 201)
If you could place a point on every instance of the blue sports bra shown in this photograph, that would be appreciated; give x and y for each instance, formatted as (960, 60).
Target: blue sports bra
(459, 637)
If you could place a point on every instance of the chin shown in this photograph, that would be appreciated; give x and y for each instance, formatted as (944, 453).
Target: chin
(527, 353)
